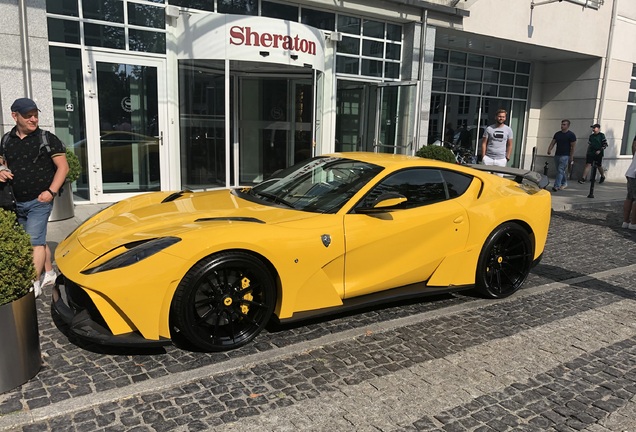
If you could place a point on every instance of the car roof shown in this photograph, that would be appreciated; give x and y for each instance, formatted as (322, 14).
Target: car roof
(391, 160)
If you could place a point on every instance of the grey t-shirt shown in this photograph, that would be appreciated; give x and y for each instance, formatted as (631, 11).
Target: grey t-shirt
(497, 139)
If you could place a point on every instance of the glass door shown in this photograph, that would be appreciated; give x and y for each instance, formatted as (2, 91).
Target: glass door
(395, 118)
(125, 128)
(275, 125)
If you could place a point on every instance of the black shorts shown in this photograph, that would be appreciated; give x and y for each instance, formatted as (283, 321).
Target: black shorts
(590, 158)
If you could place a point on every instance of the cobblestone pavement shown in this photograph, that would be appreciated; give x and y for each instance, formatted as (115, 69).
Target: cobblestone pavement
(559, 355)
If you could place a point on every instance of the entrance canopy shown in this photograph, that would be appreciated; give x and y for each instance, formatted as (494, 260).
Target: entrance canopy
(247, 38)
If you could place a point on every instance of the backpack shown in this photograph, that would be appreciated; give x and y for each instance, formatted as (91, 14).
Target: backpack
(44, 143)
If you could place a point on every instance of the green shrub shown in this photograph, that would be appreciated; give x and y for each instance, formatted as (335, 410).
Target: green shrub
(17, 272)
(436, 152)
(74, 166)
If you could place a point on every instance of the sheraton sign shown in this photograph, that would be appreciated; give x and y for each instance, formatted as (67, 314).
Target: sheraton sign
(251, 39)
(248, 37)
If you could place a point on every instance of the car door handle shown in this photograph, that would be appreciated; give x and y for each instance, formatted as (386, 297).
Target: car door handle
(459, 219)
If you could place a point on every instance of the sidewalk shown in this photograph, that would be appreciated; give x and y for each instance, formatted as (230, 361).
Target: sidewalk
(574, 197)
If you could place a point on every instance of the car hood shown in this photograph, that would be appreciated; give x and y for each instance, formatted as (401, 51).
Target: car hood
(157, 215)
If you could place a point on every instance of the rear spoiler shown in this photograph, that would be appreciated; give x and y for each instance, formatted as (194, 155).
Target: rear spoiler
(518, 174)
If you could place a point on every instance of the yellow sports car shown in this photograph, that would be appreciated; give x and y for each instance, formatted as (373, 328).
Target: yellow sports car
(336, 231)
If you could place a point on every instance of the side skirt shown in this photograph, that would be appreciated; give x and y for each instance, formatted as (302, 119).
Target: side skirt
(417, 290)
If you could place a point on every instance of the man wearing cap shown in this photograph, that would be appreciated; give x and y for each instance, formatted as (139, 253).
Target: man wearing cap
(38, 172)
(596, 145)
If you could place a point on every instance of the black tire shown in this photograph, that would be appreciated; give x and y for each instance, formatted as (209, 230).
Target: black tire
(223, 302)
(504, 262)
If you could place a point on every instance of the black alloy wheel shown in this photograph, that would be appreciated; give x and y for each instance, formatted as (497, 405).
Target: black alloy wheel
(504, 262)
(223, 302)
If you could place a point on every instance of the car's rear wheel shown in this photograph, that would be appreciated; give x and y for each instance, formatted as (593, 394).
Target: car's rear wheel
(223, 302)
(504, 262)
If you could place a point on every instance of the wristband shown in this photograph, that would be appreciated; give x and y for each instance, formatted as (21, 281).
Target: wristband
(53, 194)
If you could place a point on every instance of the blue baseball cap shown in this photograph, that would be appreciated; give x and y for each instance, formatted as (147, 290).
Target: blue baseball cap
(23, 106)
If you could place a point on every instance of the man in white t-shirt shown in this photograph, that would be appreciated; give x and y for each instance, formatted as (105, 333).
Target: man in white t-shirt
(496, 143)
(629, 207)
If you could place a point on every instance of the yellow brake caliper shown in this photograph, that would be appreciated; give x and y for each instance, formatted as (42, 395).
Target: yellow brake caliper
(245, 283)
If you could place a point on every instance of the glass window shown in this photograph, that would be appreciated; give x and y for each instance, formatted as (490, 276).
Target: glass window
(394, 32)
(521, 93)
(280, 11)
(629, 132)
(439, 85)
(507, 65)
(349, 45)
(238, 7)
(63, 7)
(489, 90)
(457, 57)
(491, 76)
(505, 91)
(104, 36)
(146, 16)
(491, 63)
(455, 86)
(475, 60)
(348, 65)
(147, 41)
(523, 68)
(391, 70)
(319, 19)
(347, 24)
(372, 48)
(506, 78)
(456, 183)
(522, 80)
(63, 31)
(393, 51)
(373, 29)
(473, 88)
(107, 10)
(474, 74)
(632, 97)
(457, 72)
(440, 56)
(206, 5)
(420, 186)
(372, 68)
(439, 70)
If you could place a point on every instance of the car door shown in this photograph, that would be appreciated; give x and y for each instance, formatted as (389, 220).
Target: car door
(403, 246)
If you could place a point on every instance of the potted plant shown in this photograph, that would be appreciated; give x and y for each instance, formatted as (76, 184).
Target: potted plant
(20, 357)
(63, 207)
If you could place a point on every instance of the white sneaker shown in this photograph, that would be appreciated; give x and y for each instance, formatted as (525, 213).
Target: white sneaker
(37, 288)
(632, 226)
(625, 225)
(48, 279)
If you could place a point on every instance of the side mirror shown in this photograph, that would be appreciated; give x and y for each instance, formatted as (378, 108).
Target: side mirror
(385, 202)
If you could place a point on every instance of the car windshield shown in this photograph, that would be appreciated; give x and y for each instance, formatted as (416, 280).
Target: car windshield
(320, 185)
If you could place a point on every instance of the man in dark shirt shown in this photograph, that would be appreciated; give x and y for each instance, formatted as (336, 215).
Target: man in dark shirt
(565, 141)
(38, 172)
(595, 149)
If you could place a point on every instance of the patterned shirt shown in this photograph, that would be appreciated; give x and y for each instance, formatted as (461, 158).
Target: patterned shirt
(33, 168)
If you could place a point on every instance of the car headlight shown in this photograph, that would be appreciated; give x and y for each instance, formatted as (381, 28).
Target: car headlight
(136, 253)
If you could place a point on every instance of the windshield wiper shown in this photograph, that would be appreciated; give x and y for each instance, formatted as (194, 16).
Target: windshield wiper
(273, 198)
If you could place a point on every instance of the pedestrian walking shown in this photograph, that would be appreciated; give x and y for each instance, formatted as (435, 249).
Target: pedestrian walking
(596, 146)
(496, 143)
(629, 206)
(565, 141)
(36, 161)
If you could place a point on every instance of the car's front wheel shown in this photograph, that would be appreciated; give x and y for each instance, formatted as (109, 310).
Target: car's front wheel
(504, 262)
(223, 302)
